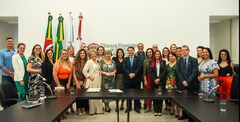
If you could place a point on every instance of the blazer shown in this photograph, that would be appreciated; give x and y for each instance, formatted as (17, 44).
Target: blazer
(127, 69)
(91, 69)
(47, 69)
(191, 73)
(162, 75)
(18, 67)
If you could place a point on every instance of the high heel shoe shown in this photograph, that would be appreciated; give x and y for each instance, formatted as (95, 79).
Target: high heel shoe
(109, 110)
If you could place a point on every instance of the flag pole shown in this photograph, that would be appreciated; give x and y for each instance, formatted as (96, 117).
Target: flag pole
(80, 29)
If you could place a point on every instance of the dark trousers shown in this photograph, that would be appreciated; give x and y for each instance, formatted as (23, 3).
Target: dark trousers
(63, 82)
(81, 103)
(157, 106)
(137, 104)
(8, 79)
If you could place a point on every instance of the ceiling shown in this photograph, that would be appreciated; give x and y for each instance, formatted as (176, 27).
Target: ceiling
(9, 20)
(218, 19)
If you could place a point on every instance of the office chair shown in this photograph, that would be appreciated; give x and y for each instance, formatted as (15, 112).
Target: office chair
(8, 95)
(234, 93)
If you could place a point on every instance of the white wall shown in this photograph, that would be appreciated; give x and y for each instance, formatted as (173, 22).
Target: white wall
(235, 40)
(127, 21)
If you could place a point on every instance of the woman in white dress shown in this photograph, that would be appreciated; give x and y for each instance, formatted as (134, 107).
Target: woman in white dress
(93, 75)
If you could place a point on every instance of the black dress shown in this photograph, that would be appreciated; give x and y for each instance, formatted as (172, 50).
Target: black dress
(47, 69)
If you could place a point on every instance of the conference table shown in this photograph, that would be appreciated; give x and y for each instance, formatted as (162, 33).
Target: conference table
(208, 112)
(52, 109)
(126, 94)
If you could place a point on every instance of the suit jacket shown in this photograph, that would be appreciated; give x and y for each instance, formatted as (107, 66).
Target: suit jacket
(162, 75)
(191, 74)
(18, 67)
(127, 69)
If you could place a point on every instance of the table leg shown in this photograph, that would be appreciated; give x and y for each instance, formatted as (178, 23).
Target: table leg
(128, 112)
(117, 107)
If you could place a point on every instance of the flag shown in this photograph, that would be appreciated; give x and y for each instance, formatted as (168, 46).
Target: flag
(71, 31)
(48, 38)
(80, 29)
(60, 38)
(78, 43)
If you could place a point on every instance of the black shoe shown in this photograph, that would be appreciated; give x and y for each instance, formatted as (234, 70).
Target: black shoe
(127, 110)
(137, 110)
(176, 116)
(121, 108)
(116, 110)
(182, 117)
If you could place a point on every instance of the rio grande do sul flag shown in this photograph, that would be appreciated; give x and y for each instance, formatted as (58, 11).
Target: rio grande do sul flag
(48, 38)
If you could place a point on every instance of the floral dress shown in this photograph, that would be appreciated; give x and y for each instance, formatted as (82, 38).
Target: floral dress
(107, 81)
(34, 80)
(171, 77)
(207, 84)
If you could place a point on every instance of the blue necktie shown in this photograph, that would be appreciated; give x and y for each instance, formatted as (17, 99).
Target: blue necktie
(131, 61)
(185, 70)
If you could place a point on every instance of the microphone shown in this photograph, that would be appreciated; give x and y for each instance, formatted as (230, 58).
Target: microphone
(48, 86)
(211, 100)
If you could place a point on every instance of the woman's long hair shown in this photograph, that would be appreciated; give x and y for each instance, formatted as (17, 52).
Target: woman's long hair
(46, 57)
(228, 56)
(153, 64)
(68, 61)
(78, 61)
(33, 53)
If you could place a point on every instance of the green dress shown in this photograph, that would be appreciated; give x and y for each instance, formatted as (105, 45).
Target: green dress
(171, 77)
(108, 82)
(22, 90)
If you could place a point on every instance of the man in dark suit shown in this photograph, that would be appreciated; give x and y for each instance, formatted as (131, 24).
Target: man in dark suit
(131, 69)
(142, 56)
(187, 68)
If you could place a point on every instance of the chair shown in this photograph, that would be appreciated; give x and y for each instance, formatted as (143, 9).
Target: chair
(8, 95)
(234, 93)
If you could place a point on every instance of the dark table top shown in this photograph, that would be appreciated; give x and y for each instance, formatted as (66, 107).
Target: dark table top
(53, 108)
(47, 112)
(127, 94)
(208, 112)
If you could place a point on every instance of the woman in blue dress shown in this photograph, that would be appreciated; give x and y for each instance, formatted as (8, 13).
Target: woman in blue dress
(208, 70)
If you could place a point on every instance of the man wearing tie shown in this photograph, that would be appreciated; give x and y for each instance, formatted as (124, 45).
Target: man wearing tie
(131, 69)
(187, 68)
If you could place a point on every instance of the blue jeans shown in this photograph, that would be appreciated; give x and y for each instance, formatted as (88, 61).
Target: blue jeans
(8, 79)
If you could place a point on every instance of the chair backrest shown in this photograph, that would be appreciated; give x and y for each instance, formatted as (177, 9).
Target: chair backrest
(8, 95)
(234, 93)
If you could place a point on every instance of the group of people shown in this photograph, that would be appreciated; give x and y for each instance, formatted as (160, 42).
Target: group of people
(173, 68)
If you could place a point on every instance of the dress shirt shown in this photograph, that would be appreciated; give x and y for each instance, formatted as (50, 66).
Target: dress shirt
(6, 60)
(158, 68)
